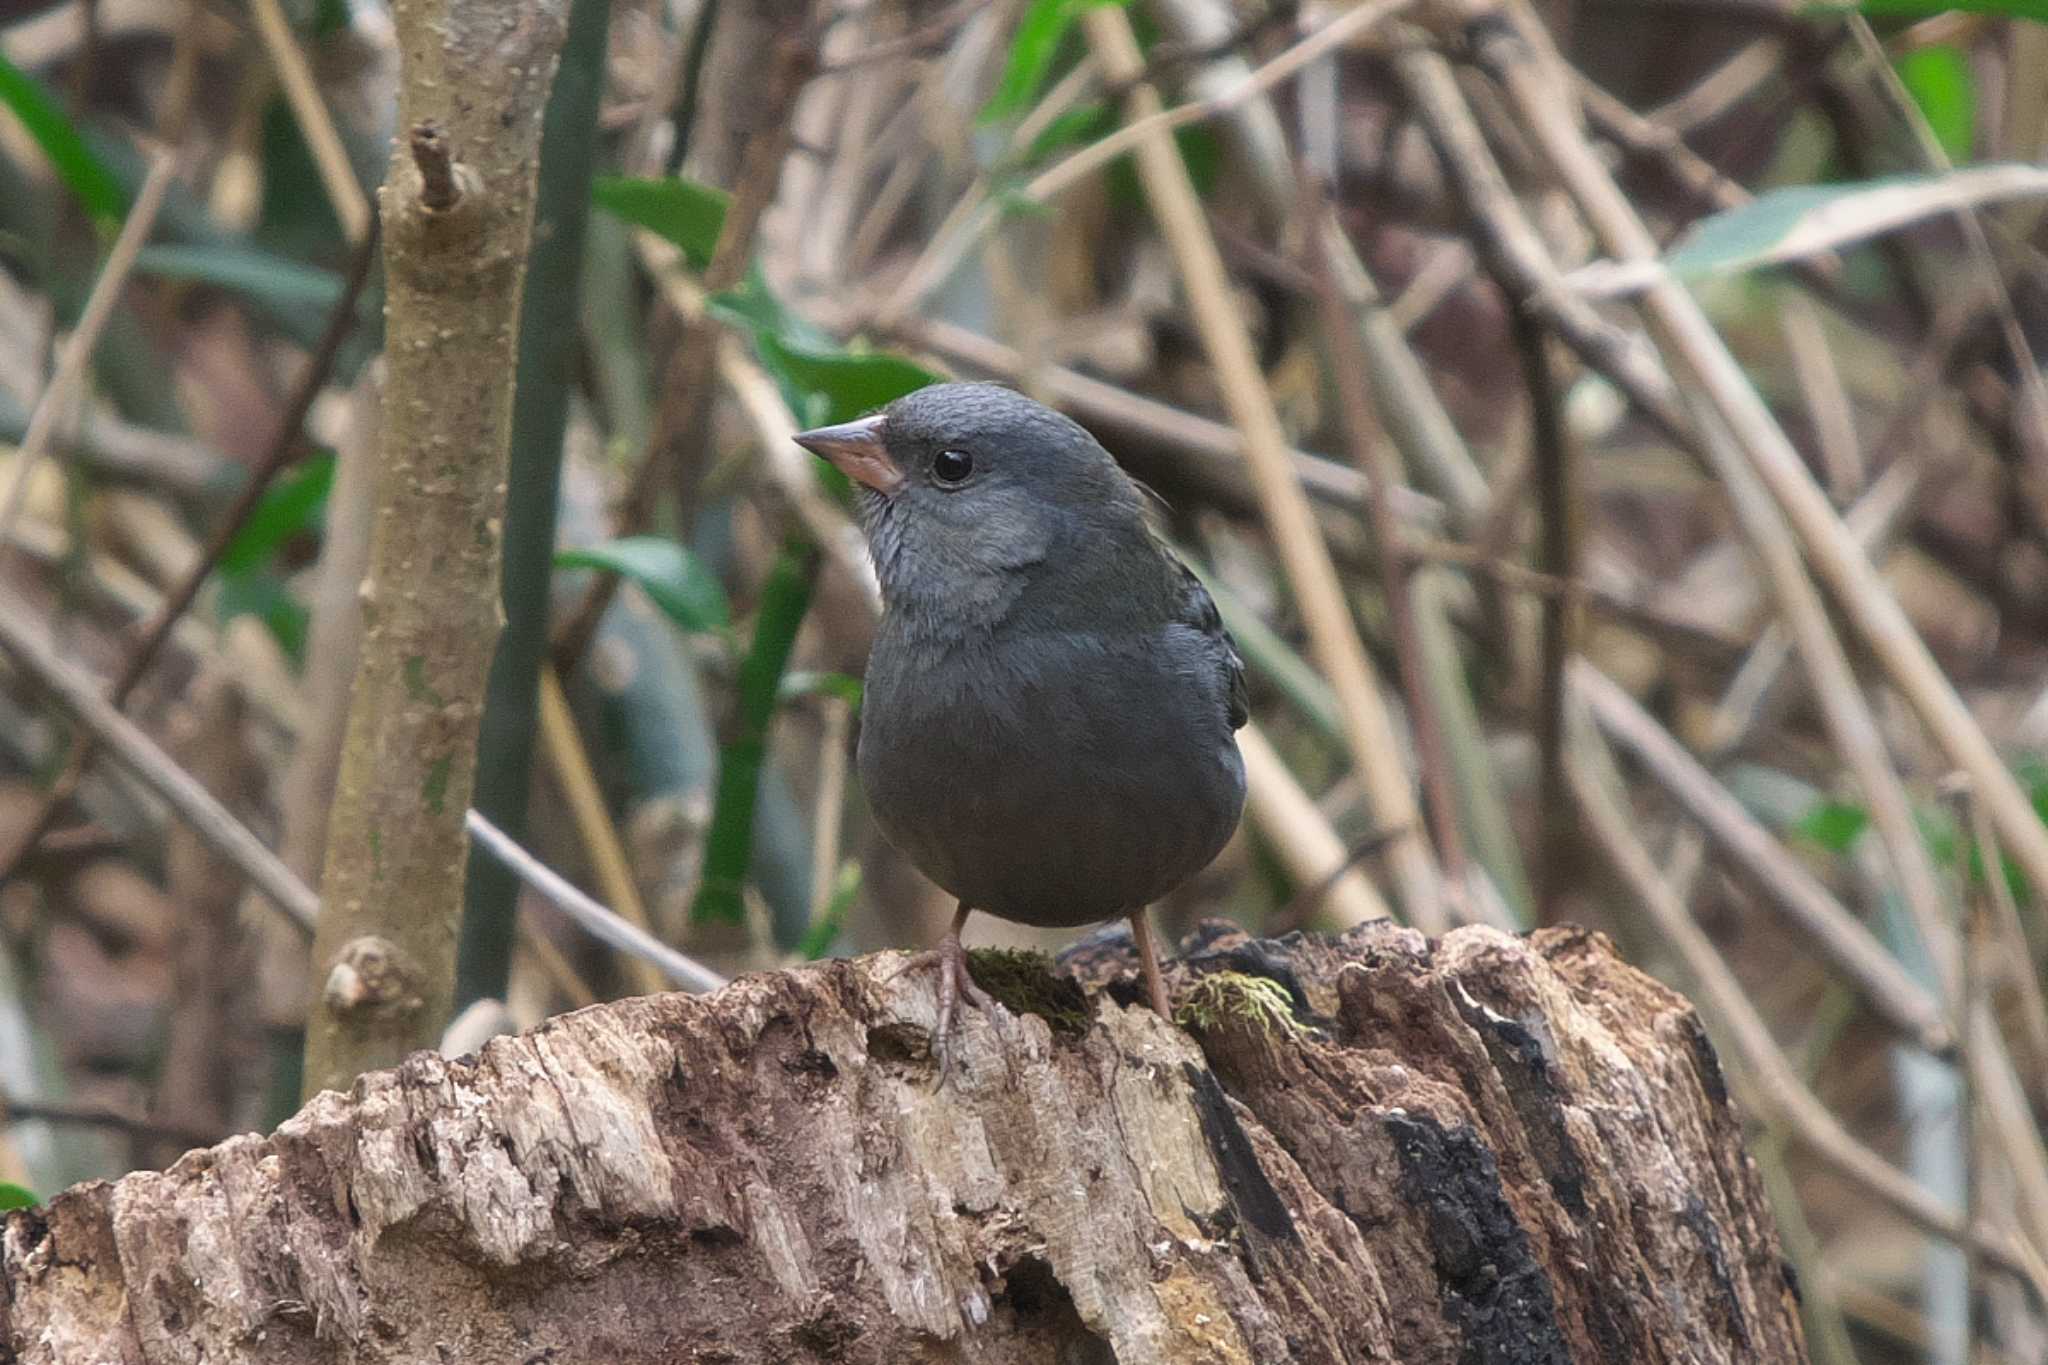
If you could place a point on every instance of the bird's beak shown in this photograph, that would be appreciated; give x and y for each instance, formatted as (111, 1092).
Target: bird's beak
(858, 450)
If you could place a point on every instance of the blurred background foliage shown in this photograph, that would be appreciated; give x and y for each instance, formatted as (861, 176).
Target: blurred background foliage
(760, 217)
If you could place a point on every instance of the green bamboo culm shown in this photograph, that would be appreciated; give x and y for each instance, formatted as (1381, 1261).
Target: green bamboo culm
(785, 597)
(548, 352)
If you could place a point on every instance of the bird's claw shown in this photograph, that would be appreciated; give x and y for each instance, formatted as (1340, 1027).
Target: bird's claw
(956, 983)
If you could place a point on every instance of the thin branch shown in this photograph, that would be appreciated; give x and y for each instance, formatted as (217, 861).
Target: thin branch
(57, 395)
(1555, 473)
(594, 827)
(1302, 838)
(92, 1116)
(1347, 375)
(1841, 938)
(1218, 446)
(316, 123)
(686, 384)
(1778, 1092)
(1762, 450)
(1339, 30)
(284, 446)
(1296, 538)
(600, 923)
(156, 770)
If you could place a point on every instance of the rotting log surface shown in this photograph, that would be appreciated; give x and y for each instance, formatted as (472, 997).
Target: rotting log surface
(1485, 1149)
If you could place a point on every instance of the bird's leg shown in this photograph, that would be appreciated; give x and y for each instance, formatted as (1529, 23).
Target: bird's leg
(1148, 959)
(955, 984)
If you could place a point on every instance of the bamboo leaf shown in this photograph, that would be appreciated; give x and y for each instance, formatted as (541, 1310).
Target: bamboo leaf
(1921, 9)
(675, 579)
(80, 169)
(291, 507)
(729, 847)
(685, 212)
(13, 1196)
(1804, 220)
(1032, 50)
(274, 281)
(1938, 78)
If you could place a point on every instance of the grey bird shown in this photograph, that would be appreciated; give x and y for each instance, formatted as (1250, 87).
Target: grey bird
(1048, 728)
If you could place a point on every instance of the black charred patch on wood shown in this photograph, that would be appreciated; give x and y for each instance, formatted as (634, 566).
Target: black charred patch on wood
(1493, 1289)
(1706, 1061)
(1258, 1205)
(1700, 1223)
(1526, 1073)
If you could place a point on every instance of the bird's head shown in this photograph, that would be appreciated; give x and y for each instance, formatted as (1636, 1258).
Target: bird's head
(964, 486)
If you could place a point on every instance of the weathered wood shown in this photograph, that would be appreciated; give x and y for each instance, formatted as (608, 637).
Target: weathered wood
(1484, 1149)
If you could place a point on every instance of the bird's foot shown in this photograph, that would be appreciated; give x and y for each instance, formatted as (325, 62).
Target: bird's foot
(956, 983)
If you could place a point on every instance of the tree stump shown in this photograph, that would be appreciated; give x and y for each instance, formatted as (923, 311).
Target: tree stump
(1370, 1148)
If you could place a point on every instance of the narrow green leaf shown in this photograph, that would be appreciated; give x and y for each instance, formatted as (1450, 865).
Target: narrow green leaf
(82, 172)
(840, 385)
(13, 1196)
(1803, 220)
(1032, 50)
(260, 593)
(273, 281)
(754, 307)
(1833, 825)
(675, 579)
(2009, 9)
(1940, 81)
(729, 845)
(291, 507)
(824, 932)
(1082, 123)
(686, 212)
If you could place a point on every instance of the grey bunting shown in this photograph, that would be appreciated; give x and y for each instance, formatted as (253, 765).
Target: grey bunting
(1048, 730)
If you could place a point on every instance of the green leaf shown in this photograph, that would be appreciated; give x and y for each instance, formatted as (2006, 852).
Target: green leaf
(685, 212)
(1803, 220)
(753, 307)
(820, 381)
(674, 578)
(296, 219)
(729, 843)
(1082, 123)
(1199, 150)
(291, 507)
(13, 1196)
(1032, 50)
(839, 385)
(1940, 81)
(841, 685)
(818, 940)
(270, 280)
(1833, 825)
(81, 171)
(1920, 9)
(262, 594)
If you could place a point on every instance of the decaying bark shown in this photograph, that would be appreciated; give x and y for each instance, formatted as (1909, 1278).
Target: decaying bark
(1484, 1149)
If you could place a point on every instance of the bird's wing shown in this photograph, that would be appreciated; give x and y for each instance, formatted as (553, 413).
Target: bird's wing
(1199, 610)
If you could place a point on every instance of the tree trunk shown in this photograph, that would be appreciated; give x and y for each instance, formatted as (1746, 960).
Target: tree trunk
(1483, 1149)
(457, 209)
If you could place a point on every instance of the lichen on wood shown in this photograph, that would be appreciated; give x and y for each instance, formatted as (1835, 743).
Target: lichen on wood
(1485, 1149)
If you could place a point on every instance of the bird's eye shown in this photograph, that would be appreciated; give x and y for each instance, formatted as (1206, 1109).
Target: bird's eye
(951, 468)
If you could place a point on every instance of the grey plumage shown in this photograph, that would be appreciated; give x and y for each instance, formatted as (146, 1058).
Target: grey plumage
(1047, 728)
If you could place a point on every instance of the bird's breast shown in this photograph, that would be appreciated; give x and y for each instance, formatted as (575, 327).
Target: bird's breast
(1051, 779)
